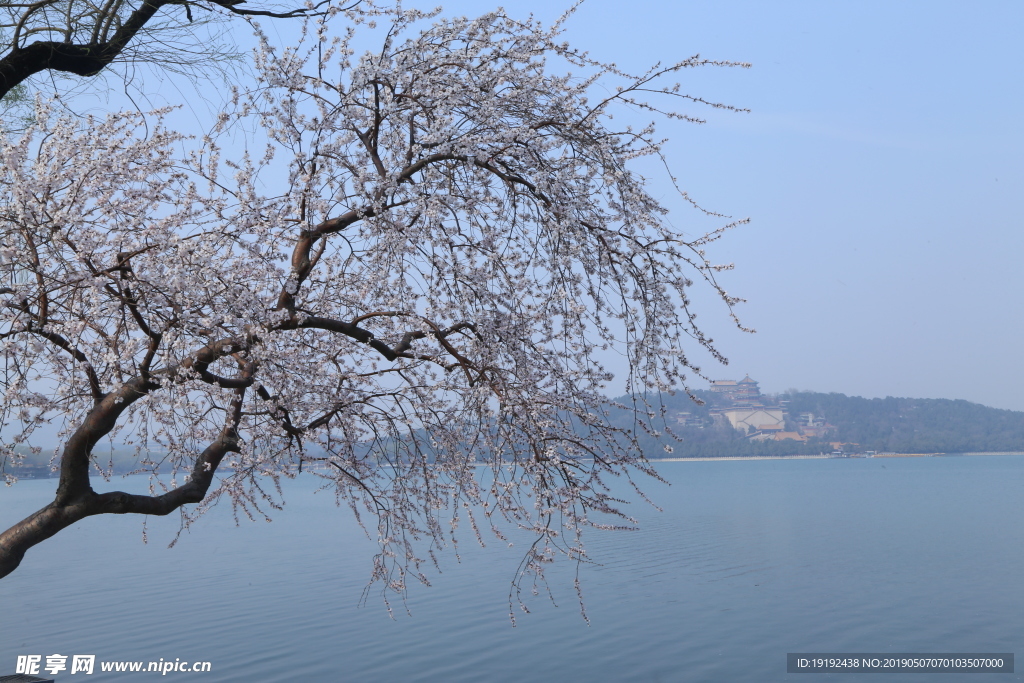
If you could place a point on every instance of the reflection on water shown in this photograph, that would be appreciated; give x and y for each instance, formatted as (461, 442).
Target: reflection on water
(748, 561)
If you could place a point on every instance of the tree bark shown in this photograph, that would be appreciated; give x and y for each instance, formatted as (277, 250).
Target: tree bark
(58, 515)
(81, 60)
(91, 58)
(75, 498)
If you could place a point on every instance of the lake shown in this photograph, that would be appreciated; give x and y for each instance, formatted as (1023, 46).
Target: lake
(747, 561)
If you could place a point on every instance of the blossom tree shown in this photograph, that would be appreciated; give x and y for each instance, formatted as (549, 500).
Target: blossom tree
(415, 312)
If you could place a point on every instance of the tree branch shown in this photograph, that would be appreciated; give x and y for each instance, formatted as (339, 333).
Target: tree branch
(88, 59)
(82, 60)
(76, 500)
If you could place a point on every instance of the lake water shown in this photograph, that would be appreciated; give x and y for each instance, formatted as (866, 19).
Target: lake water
(748, 561)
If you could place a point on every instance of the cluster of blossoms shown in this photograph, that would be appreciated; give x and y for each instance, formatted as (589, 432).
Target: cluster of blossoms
(415, 315)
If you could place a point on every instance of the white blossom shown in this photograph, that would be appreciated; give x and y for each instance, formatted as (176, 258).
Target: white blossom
(457, 236)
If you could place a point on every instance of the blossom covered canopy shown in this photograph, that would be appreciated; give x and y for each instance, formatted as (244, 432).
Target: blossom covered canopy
(413, 274)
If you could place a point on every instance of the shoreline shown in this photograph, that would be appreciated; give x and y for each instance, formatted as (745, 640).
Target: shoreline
(743, 457)
(830, 457)
(35, 475)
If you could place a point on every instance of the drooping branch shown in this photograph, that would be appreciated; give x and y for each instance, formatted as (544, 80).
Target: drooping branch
(470, 241)
(75, 499)
(400, 350)
(74, 469)
(194, 490)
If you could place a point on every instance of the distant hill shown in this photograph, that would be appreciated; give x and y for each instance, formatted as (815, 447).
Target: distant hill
(914, 425)
(37, 465)
(894, 425)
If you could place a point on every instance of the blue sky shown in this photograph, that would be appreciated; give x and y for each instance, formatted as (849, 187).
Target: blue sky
(879, 165)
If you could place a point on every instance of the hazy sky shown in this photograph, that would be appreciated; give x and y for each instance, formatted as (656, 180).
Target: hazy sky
(879, 165)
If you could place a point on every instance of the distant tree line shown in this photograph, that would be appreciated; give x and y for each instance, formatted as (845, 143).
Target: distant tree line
(913, 425)
(894, 425)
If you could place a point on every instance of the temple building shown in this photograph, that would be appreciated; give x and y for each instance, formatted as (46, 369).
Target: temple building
(741, 404)
(745, 391)
(760, 419)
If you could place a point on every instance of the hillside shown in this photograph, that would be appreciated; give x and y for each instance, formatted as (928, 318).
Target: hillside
(907, 425)
(820, 421)
(811, 423)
